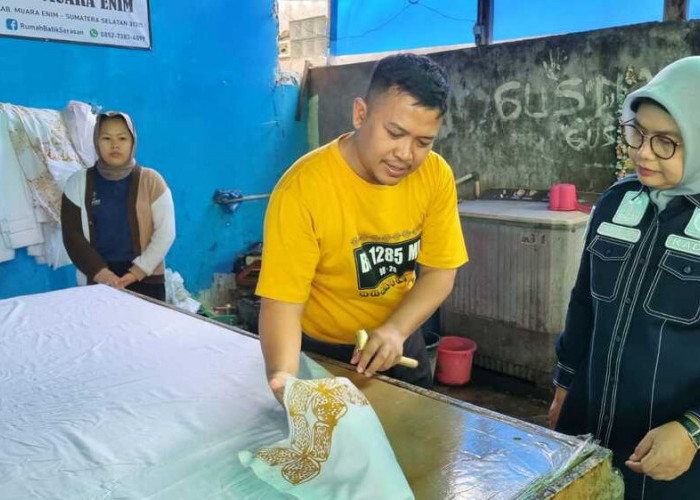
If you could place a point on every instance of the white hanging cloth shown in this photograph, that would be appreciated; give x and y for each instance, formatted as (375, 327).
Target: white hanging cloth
(18, 222)
(44, 148)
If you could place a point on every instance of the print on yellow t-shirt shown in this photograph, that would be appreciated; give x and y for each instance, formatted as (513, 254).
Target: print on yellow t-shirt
(376, 261)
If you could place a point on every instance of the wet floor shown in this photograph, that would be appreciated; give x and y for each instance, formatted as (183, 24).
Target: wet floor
(502, 393)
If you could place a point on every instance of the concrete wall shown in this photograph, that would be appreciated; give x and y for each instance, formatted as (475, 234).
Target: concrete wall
(207, 111)
(530, 113)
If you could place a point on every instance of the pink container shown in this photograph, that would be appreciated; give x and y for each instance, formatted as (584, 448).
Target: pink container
(563, 197)
(555, 197)
(454, 360)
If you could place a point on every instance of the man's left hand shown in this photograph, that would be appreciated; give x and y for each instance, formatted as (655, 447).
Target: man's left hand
(126, 280)
(665, 453)
(382, 351)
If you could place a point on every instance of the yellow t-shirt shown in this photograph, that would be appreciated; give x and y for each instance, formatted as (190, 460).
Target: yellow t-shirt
(348, 248)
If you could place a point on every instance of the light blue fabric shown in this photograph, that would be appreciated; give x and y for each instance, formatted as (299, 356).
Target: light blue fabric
(677, 88)
(336, 449)
(309, 369)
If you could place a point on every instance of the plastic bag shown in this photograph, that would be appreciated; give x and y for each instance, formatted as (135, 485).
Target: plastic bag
(176, 293)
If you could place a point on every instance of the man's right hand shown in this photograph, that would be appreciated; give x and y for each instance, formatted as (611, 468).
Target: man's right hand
(278, 381)
(106, 277)
(383, 350)
(555, 407)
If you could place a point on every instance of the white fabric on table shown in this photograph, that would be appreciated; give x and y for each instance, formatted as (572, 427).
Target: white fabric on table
(105, 395)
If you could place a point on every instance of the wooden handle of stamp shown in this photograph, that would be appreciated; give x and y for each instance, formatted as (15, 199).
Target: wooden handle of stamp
(408, 362)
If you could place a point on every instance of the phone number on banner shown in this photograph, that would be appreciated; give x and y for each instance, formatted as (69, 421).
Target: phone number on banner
(121, 36)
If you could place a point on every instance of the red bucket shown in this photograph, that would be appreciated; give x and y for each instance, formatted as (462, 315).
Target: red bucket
(454, 360)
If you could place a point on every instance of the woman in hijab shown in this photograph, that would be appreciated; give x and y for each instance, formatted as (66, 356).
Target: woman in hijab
(629, 357)
(118, 218)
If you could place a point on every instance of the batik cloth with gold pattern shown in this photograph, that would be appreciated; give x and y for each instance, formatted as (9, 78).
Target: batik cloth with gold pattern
(336, 447)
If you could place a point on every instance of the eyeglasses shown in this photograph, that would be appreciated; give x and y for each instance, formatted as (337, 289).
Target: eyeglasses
(664, 147)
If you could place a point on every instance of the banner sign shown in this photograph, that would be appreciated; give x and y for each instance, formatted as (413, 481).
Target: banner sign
(120, 23)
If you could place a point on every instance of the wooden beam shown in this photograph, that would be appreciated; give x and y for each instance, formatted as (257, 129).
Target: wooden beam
(675, 10)
(483, 29)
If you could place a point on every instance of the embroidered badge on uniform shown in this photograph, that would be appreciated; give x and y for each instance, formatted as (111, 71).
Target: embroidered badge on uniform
(619, 232)
(693, 227)
(682, 244)
(632, 209)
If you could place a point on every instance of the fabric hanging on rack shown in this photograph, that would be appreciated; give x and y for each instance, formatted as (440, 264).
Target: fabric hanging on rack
(80, 122)
(44, 149)
(45, 152)
(18, 221)
(6, 251)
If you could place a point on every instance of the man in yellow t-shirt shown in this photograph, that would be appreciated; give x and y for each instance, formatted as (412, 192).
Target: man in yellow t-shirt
(347, 224)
